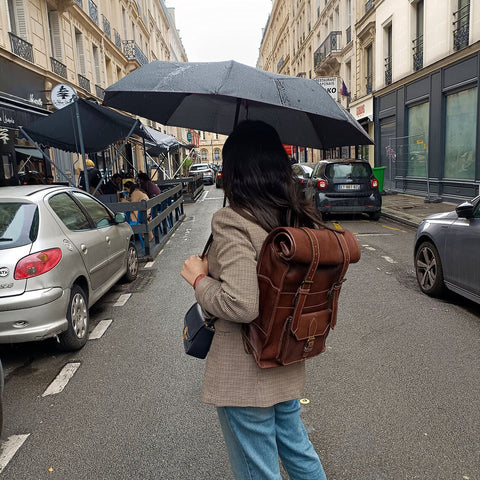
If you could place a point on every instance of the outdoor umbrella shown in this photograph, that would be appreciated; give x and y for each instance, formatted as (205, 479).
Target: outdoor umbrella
(160, 142)
(215, 96)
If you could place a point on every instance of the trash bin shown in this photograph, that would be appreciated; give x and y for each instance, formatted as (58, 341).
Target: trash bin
(379, 173)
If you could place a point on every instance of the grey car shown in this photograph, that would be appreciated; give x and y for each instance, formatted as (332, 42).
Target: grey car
(60, 251)
(445, 252)
(205, 169)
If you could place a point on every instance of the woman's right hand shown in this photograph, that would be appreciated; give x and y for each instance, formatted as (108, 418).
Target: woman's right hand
(193, 267)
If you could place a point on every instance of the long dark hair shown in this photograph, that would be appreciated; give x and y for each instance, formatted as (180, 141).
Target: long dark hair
(257, 177)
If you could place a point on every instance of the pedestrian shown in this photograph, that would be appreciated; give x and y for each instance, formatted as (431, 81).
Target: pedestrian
(258, 409)
(113, 186)
(49, 179)
(150, 188)
(94, 177)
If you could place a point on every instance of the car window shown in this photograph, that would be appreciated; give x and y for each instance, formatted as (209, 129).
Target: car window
(69, 212)
(347, 170)
(18, 224)
(100, 215)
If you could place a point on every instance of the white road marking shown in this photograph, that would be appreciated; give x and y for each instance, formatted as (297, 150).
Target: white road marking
(148, 265)
(62, 379)
(389, 259)
(122, 300)
(204, 196)
(100, 329)
(374, 234)
(10, 447)
(369, 248)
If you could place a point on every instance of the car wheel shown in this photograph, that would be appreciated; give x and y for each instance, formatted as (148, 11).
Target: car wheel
(375, 216)
(76, 335)
(132, 264)
(428, 267)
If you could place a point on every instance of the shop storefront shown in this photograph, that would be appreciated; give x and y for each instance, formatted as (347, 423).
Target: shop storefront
(428, 132)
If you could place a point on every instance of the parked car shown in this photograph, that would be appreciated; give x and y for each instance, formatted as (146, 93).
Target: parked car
(344, 186)
(218, 178)
(302, 173)
(60, 251)
(205, 169)
(445, 252)
(2, 383)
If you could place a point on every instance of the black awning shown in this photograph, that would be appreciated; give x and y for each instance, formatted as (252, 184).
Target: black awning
(100, 127)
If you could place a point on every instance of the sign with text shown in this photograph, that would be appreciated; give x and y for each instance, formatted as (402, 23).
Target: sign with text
(62, 95)
(330, 84)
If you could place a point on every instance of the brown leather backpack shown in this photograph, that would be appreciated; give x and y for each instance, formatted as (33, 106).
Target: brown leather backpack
(300, 273)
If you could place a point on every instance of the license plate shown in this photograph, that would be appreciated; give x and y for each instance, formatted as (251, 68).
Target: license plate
(350, 186)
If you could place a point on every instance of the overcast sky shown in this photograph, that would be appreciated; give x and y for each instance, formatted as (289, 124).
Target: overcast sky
(216, 30)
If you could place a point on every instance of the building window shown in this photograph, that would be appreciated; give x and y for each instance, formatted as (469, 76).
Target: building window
(216, 155)
(388, 58)
(204, 155)
(418, 125)
(18, 18)
(461, 134)
(418, 41)
(369, 69)
(80, 52)
(461, 25)
(96, 62)
(55, 34)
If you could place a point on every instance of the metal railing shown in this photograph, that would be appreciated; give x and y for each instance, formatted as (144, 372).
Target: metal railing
(21, 47)
(461, 33)
(79, 3)
(93, 11)
(418, 53)
(369, 83)
(280, 64)
(58, 67)
(99, 91)
(349, 34)
(331, 44)
(369, 5)
(118, 39)
(133, 52)
(106, 27)
(84, 82)
(388, 70)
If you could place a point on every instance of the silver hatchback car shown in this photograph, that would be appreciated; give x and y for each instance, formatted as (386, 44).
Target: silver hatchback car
(60, 251)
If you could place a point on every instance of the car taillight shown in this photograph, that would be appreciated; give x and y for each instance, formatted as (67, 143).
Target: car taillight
(374, 183)
(219, 174)
(321, 184)
(37, 263)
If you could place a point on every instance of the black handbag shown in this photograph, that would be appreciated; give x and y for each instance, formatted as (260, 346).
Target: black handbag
(197, 330)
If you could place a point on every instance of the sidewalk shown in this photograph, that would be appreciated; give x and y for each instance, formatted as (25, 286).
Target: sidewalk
(411, 209)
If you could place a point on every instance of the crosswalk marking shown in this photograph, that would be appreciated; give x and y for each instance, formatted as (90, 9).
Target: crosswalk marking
(10, 447)
(62, 379)
(122, 300)
(100, 329)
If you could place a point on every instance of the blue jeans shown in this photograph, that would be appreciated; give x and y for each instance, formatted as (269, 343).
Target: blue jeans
(256, 437)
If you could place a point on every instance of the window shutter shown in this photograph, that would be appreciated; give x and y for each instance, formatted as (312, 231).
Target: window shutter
(80, 54)
(20, 19)
(55, 34)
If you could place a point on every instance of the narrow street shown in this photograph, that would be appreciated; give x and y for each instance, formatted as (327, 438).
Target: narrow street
(396, 395)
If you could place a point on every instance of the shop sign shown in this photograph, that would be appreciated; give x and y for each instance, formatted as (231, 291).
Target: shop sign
(62, 95)
(363, 110)
(7, 117)
(330, 84)
(4, 135)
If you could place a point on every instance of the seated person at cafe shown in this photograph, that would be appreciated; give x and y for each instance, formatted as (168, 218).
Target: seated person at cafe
(150, 188)
(113, 186)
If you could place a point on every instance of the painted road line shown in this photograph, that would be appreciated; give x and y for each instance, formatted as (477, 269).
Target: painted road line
(389, 259)
(337, 226)
(100, 329)
(374, 234)
(393, 228)
(148, 265)
(369, 248)
(9, 449)
(122, 300)
(62, 379)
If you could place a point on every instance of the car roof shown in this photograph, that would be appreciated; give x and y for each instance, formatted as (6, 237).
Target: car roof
(343, 160)
(27, 192)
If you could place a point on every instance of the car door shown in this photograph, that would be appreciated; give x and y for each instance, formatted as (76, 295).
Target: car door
(461, 260)
(93, 248)
(116, 242)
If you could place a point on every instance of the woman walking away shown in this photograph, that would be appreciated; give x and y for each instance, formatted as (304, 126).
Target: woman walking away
(258, 408)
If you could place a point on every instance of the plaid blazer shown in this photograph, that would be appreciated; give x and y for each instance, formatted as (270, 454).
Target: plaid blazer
(230, 292)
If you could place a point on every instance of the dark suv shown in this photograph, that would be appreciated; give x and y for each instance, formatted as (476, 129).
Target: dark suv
(344, 186)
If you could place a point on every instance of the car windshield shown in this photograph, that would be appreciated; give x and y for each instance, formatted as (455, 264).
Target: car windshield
(18, 224)
(199, 167)
(347, 170)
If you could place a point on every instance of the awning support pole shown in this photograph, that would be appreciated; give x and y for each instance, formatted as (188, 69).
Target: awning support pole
(25, 134)
(82, 146)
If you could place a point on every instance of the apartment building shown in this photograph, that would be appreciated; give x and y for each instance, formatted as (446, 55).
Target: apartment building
(209, 149)
(85, 44)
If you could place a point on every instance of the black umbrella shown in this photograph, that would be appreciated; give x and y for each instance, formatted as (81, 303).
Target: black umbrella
(214, 96)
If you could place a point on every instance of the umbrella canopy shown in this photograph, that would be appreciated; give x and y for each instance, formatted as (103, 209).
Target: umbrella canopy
(161, 142)
(215, 96)
(101, 126)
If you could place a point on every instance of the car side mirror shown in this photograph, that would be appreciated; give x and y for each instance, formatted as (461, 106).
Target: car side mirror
(465, 210)
(120, 217)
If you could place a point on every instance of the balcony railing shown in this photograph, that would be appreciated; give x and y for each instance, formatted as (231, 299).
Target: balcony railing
(21, 47)
(461, 32)
(79, 3)
(133, 52)
(106, 27)
(280, 64)
(369, 5)
(349, 34)
(331, 44)
(84, 82)
(58, 67)
(118, 39)
(93, 11)
(388, 70)
(99, 91)
(368, 83)
(418, 53)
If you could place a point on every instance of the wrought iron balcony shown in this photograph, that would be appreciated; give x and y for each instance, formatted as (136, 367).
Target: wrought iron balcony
(79, 3)
(388, 70)
(331, 44)
(58, 67)
(106, 27)
(369, 5)
(133, 52)
(93, 11)
(418, 53)
(84, 82)
(99, 91)
(461, 32)
(368, 83)
(349, 34)
(118, 39)
(21, 47)
(280, 64)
